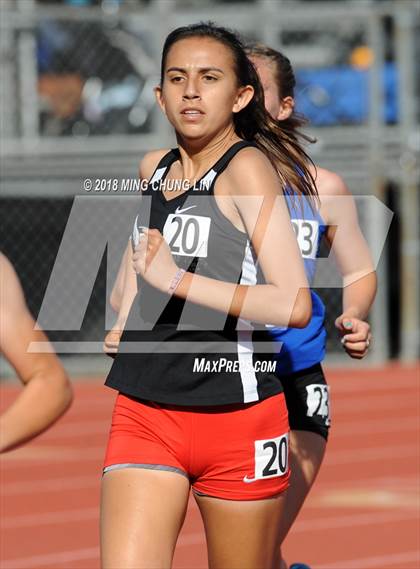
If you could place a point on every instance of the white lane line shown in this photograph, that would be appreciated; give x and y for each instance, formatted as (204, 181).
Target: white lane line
(50, 485)
(92, 400)
(59, 557)
(409, 482)
(48, 518)
(376, 426)
(340, 429)
(47, 454)
(69, 482)
(52, 454)
(334, 522)
(82, 428)
(51, 558)
(357, 385)
(370, 454)
(42, 455)
(198, 538)
(374, 561)
(373, 403)
(314, 524)
(362, 498)
(60, 517)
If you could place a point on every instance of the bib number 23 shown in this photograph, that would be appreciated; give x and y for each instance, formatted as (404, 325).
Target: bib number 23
(307, 236)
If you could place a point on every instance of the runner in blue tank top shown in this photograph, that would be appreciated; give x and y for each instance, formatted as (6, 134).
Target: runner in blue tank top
(303, 350)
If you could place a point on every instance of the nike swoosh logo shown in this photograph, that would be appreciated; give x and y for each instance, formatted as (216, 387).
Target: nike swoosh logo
(249, 480)
(179, 210)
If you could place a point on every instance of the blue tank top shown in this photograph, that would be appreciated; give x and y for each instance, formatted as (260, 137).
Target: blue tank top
(304, 347)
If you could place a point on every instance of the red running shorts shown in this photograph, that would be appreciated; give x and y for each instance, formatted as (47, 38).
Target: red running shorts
(233, 452)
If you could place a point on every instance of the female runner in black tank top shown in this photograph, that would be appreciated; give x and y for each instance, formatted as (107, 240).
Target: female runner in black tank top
(212, 97)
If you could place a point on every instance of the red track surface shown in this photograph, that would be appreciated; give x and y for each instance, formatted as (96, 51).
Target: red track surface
(363, 512)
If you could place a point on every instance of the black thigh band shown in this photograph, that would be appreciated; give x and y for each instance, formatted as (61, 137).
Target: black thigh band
(308, 402)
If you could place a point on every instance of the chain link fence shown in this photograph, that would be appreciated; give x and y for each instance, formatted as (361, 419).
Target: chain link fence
(93, 68)
(78, 102)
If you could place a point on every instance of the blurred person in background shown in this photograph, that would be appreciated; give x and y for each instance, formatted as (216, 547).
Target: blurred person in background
(47, 393)
(302, 350)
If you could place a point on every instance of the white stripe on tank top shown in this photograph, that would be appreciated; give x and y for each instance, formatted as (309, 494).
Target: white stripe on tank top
(245, 329)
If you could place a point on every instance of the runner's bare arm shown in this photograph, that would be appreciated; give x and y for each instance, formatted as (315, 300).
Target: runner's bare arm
(128, 293)
(354, 260)
(118, 288)
(348, 245)
(47, 392)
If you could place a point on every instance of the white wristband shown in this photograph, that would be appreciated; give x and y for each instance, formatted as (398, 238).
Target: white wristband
(175, 281)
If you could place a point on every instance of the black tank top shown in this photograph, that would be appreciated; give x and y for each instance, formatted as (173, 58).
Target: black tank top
(177, 352)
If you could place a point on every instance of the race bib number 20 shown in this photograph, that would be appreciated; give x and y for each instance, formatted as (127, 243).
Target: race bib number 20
(271, 458)
(187, 235)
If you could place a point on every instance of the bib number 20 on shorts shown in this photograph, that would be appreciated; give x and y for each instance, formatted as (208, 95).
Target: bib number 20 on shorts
(271, 458)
